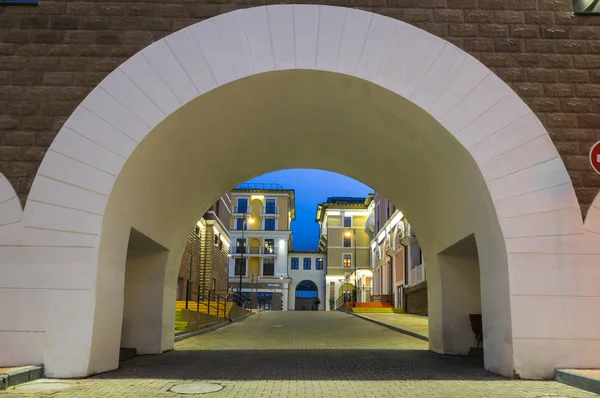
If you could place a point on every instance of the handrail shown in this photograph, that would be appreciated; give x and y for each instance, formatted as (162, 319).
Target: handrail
(253, 250)
(215, 303)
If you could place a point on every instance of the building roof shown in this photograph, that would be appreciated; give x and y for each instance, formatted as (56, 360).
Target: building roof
(343, 202)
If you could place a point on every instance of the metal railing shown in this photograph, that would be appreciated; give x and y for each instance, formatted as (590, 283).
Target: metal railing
(416, 275)
(260, 186)
(269, 210)
(253, 250)
(211, 302)
(240, 209)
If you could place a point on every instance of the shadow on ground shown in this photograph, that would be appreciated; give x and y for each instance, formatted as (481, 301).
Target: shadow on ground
(346, 364)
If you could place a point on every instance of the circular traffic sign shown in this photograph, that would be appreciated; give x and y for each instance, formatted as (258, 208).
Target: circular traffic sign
(595, 157)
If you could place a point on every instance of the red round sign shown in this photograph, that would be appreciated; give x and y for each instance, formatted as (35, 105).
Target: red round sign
(595, 157)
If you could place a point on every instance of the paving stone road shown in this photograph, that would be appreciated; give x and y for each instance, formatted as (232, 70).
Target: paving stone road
(306, 354)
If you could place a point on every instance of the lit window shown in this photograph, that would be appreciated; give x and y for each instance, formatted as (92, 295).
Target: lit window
(586, 6)
(307, 263)
(295, 263)
(269, 246)
(319, 264)
(347, 260)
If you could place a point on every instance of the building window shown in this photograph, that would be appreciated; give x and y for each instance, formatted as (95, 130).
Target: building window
(377, 217)
(270, 224)
(216, 239)
(347, 260)
(240, 246)
(295, 263)
(269, 246)
(319, 264)
(270, 207)
(347, 222)
(586, 6)
(241, 224)
(242, 205)
(268, 267)
(347, 241)
(307, 263)
(240, 264)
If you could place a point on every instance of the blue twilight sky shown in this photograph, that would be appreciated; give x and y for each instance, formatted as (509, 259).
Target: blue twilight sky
(312, 187)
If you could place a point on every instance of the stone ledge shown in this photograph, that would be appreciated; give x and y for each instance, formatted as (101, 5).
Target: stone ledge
(184, 336)
(575, 378)
(20, 376)
(395, 328)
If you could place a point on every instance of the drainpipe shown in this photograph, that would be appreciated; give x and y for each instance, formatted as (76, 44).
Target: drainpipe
(391, 279)
(405, 250)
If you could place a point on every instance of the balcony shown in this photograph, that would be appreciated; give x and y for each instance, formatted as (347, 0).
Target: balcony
(240, 210)
(269, 211)
(254, 251)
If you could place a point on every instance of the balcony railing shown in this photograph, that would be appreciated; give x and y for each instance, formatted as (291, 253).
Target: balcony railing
(269, 211)
(416, 275)
(254, 251)
(240, 209)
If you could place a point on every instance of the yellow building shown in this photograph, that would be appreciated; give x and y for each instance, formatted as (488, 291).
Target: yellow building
(343, 237)
(261, 237)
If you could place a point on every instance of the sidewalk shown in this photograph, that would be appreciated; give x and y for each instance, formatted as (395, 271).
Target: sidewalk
(418, 326)
(19, 374)
(586, 379)
(413, 325)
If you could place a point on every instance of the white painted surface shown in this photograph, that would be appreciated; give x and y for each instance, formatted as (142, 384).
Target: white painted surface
(300, 274)
(152, 191)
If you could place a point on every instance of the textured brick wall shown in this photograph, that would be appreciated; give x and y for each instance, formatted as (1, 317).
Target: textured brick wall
(193, 250)
(416, 299)
(52, 55)
(219, 267)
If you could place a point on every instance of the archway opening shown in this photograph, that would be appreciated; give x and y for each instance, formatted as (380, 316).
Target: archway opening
(307, 294)
(322, 125)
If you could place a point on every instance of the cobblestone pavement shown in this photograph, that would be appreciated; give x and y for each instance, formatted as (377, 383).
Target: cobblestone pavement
(307, 354)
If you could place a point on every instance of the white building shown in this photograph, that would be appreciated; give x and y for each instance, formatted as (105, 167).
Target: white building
(306, 270)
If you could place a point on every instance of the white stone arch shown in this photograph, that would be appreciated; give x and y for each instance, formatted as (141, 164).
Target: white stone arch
(536, 207)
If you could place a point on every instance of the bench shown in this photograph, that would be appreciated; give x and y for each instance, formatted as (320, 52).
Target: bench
(477, 326)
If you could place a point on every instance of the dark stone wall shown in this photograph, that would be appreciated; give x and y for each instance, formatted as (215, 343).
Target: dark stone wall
(416, 299)
(52, 55)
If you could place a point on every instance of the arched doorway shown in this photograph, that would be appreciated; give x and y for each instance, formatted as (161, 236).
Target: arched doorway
(473, 159)
(346, 292)
(306, 293)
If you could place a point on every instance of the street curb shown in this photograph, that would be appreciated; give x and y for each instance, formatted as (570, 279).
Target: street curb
(387, 325)
(578, 380)
(210, 328)
(21, 376)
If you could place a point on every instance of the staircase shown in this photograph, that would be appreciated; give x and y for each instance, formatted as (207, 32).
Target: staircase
(218, 307)
(376, 308)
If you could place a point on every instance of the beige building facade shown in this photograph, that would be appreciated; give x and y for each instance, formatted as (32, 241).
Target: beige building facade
(399, 274)
(344, 240)
(261, 236)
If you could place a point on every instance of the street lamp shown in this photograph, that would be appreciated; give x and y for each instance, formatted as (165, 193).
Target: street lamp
(349, 234)
(246, 219)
